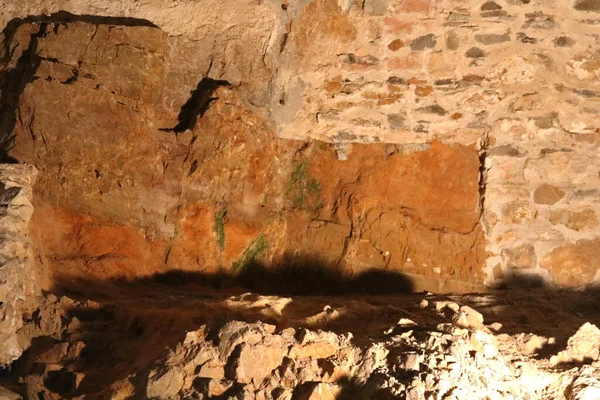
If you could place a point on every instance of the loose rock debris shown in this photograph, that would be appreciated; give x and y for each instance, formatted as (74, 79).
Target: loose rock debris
(455, 353)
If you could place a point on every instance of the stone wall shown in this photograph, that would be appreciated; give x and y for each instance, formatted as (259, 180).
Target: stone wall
(17, 283)
(512, 86)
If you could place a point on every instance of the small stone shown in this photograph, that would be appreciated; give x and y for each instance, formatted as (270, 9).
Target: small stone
(423, 42)
(516, 212)
(491, 39)
(405, 322)
(395, 45)
(545, 122)
(475, 52)
(547, 194)
(394, 80)
(468, 318)
(423, 304)
(520, 257)
(587, 5)
(433, 109)
(563, 41)
(498, 272)
(490, 6)
(494, 14)
(452, 41)
(423, 91)
(532, 344)
(539, 20)
(410, 361)
(441, 305)
(396, 121)
(577, 221)
(523, 38)
(506, 150)
(354, 59)
(496, 326)
(573, 265)
(458, 17)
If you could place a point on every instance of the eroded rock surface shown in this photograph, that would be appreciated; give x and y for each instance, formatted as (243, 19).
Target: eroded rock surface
(114, 107)
(128, 187)
(184, 344)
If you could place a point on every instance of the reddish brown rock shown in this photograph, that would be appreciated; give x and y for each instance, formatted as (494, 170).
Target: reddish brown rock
(574, 265)
(70, 244)
(396, 44)
(147, 191)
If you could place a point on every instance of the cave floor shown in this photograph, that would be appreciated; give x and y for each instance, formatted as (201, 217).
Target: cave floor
(127, 327)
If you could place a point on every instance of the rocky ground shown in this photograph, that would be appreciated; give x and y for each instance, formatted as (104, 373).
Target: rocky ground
(162, 341)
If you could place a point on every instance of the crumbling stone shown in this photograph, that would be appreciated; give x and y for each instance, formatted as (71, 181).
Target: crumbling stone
(17, 288)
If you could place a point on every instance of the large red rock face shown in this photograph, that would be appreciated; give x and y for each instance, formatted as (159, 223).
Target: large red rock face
(121, 195)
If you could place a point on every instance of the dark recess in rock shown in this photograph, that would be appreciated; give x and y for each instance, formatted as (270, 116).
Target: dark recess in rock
(197, 104)
(64, 17)
(495, 14)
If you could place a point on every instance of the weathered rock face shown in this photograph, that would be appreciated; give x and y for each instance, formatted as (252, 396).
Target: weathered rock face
(471, 109)
(124, 192)
(17, 283)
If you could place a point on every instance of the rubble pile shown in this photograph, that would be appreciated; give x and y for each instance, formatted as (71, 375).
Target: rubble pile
(462, 357)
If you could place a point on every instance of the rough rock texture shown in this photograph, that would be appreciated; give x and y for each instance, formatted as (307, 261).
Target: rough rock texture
(17, 283)
(414, 362)
(145, 197)
(158, 349)
(515, 83)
